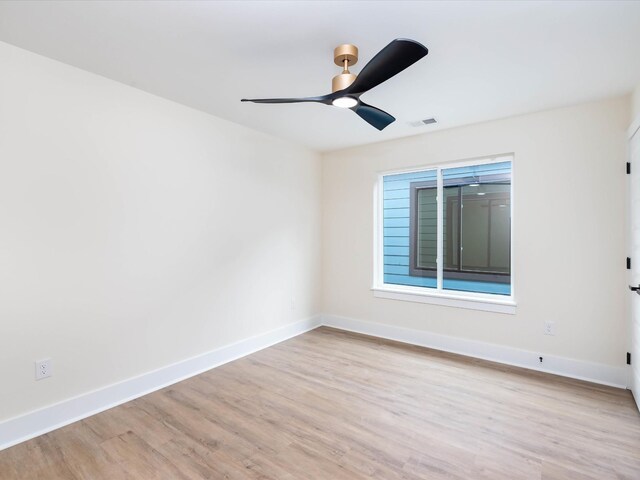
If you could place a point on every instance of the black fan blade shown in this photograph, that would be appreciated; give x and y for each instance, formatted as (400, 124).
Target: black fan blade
(374, 116)
(391, 60)
(322, 99)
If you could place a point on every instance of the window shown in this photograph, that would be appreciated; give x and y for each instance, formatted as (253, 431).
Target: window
(458, 217)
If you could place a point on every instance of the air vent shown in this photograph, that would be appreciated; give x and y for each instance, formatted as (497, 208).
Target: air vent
(422, 123)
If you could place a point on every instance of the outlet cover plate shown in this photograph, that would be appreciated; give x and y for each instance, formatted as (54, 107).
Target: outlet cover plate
(549, 328)
(44, 368)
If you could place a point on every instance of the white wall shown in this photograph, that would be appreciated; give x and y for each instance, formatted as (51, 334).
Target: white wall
(635, 103)
(569, 231)
(136, 232)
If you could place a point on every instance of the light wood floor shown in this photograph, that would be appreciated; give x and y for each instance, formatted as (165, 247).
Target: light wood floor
(332, 405)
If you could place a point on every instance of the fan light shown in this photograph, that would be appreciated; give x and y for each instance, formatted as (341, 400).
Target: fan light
(345, 102)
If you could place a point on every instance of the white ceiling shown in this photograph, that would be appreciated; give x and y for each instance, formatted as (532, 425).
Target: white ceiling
(486, 59)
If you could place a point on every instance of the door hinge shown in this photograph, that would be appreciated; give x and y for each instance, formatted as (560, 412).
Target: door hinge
(628, 358)
(628, 263)
(628, 168)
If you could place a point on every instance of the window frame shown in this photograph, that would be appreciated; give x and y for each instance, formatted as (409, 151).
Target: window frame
(438, 295)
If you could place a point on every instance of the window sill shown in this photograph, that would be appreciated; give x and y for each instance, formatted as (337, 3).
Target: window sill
(482, 302)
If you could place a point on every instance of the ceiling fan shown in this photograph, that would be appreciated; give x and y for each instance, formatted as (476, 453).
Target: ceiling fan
(347, 87)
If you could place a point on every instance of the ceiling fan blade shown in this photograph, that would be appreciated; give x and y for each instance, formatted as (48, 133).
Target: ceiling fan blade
(322, 99)
(391, 60)
(374, 116)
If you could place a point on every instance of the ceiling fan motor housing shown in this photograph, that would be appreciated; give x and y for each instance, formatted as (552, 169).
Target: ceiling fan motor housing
(344, 56)
(342, 81)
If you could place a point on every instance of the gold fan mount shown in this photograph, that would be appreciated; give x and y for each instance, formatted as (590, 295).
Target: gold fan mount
(344, 56)
(346, 52)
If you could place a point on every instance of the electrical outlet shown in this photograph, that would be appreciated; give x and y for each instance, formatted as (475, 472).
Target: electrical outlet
(549, 328)
(44, 368)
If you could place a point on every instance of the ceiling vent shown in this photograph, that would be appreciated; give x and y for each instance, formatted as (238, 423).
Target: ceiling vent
(422, 123)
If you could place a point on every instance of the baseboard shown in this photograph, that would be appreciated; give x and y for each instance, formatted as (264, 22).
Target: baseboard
(41, 421)
(635, 383)
(566, 367)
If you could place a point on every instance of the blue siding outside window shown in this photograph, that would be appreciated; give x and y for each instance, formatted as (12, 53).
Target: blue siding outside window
(396, 218)
(477, 170)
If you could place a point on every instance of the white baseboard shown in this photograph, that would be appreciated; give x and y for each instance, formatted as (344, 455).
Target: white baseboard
(39, 422)
(635, 384)
(567, 367)
(30, 425)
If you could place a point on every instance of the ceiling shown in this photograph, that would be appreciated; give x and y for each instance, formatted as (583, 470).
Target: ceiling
(486, 60)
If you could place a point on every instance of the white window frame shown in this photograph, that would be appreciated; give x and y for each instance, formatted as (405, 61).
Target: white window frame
(439, 296)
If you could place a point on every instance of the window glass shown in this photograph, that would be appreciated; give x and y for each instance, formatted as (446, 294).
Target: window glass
(397, 226)
(427, 218)
(476, 228)
(477, 231)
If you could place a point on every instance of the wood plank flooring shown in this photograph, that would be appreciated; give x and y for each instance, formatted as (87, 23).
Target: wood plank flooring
(334, 405)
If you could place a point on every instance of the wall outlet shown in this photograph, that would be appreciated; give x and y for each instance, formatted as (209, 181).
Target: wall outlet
(44, 368)
(549, 328)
